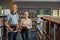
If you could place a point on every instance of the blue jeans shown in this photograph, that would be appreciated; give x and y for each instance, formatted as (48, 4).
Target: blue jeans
(24, 35)
(19, 36)
(32, 34)
(29, 35)
(12, 35)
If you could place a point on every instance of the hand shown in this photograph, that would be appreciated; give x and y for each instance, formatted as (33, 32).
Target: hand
(10, 29)
(19, 30)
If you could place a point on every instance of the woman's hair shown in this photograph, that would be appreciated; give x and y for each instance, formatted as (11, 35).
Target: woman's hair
(15, 6)
(26, 11)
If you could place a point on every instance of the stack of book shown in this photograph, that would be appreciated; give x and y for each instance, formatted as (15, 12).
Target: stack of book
(1, 21)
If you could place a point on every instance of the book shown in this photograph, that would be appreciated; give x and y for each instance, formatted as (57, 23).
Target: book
(55, 13)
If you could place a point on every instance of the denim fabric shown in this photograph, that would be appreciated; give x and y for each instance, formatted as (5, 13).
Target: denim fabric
(29, 35)
(12, 35)
(19, 36)
(24, 35)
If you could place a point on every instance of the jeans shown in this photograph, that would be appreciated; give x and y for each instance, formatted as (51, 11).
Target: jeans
(24, 35)
(32, 34)
(19, 36)
(12, 35)
(29, 35)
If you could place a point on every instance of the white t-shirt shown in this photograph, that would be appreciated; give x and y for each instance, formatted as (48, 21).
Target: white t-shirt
(26, 22)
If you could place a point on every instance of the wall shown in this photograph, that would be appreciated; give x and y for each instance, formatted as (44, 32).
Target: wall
(4, 3)
(38, 5)
(53, 5)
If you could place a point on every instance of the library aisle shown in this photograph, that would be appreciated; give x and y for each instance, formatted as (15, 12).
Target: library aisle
(45, 16)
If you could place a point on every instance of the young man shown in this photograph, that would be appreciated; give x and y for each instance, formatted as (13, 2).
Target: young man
(12, 23)
(26, 25)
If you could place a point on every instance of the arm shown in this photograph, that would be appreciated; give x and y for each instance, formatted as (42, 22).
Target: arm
(8, 26)
(7, 23)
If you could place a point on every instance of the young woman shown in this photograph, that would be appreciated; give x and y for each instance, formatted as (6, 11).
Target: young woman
(12, 23)
(26, 25)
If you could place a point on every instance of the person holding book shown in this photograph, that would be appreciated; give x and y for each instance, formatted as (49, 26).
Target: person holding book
(26, 25)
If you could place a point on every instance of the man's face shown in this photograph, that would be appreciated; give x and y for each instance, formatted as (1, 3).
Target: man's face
(14, 9)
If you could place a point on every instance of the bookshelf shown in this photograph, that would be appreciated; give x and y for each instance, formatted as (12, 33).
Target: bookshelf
(53, 27)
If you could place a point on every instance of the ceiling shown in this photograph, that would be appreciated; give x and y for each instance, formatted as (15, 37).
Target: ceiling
(36, 0)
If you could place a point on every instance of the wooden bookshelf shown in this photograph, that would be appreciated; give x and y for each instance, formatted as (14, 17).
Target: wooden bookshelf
(48, 22)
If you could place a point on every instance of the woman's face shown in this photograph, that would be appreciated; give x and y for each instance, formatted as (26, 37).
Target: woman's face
(14, 9)
(26, 14)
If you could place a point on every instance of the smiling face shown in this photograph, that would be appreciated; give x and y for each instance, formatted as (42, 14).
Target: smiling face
(26, 14)
(14, 8)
